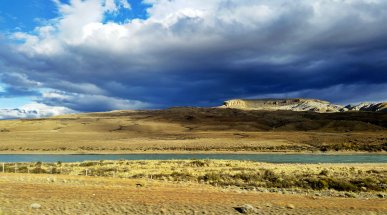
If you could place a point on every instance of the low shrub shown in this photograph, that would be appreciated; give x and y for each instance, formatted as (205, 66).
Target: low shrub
(88, 163)
(324, 172)
(317, 183)
(269, 175)
(341, 185)
(38, 170)
(199, 163)
(369, 183)
(248, 177)
(22, 169)
(182, 176)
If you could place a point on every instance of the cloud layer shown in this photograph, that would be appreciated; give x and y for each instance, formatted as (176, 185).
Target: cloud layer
(34, 110)
(200, 53)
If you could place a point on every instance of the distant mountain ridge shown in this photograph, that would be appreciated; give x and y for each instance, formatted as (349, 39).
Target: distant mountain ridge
(17, 113)
(301, 104)
(36, 110)
(367, 106)
(33, 110)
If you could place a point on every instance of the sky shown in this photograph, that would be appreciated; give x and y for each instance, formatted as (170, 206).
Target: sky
(101, 55)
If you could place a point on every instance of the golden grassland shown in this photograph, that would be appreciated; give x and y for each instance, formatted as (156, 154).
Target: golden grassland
(197, 129)
(226, 173)
(192, 187)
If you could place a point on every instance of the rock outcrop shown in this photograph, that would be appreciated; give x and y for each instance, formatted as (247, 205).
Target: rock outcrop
(299, 104)
(366, 106)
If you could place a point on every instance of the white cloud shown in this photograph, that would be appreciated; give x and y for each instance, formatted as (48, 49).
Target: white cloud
(125, 4)
(183, 48)
(173, 22)
(34, 110)
(110, 5)
(45, 110)
(113, 6)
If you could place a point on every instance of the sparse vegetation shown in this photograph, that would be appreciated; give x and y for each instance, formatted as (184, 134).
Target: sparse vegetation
(354, 146)
(197, 129)
(243, 174)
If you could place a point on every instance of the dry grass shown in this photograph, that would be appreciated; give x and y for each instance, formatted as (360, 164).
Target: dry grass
(74, 194)
(196, 129)
(244, 174)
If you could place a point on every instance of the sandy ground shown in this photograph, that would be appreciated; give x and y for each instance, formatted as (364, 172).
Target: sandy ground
(96, 195)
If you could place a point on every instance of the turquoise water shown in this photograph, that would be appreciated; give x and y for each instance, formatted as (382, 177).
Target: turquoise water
(272, 158)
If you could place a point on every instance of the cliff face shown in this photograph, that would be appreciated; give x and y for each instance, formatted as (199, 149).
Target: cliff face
(297, 104)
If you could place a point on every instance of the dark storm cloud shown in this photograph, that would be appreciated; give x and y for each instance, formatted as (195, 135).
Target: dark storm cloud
(91, 103)
(205, 52)
(10, 92)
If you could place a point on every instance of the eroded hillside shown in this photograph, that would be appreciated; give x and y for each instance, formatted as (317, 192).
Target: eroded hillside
(197, 129)
(300, 104)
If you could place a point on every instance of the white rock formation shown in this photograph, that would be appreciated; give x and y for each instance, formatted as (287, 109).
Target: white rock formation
(368, 106)
(299, 104)
(296, 104)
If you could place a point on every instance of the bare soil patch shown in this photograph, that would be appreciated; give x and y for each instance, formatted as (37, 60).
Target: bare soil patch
(94, 195)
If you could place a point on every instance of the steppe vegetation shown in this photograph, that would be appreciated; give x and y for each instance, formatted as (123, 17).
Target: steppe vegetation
(242, 174)
(23, 193)
(194, 186)
(197, 129)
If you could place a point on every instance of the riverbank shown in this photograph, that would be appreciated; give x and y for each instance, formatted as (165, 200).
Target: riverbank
(225, 173)
(262, 157)
(126, 152)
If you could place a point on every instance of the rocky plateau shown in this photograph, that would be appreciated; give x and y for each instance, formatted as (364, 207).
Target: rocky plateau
(300, 104)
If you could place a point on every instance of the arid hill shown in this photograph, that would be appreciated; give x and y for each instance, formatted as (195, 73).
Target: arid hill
(365, 106)
(296, 104)
(299, 104)
(196, 129)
